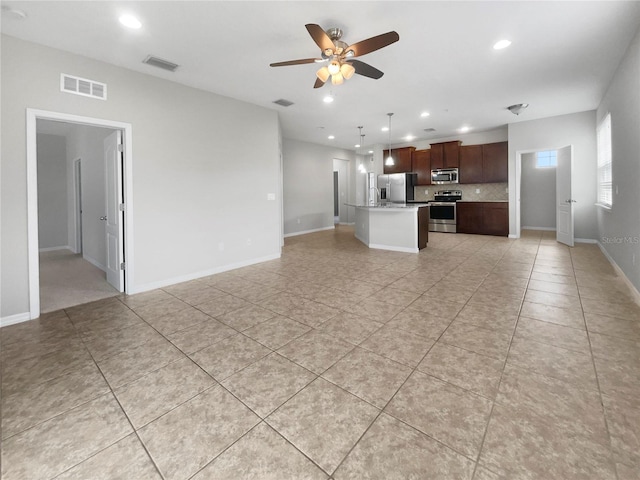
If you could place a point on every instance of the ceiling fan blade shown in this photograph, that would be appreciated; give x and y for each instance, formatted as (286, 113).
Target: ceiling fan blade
(320, 37)
(366, 69)
(295, 62)
(372, 44)
(319, 83)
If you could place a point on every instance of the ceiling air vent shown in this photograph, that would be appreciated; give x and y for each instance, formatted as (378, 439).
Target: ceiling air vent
(160, 63)
(429, 130)
(83, 86)
(283, 103)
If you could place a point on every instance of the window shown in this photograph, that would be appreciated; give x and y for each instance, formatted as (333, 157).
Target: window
(605, 197)
(547, 159)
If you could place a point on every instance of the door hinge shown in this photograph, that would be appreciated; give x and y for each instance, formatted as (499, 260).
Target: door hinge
(121, 207)
(120, 147)
(123, 266)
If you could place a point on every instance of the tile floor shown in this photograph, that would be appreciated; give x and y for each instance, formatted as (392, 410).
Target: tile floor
(479, 358)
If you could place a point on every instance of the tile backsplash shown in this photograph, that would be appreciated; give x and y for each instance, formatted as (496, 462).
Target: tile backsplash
(487, 191)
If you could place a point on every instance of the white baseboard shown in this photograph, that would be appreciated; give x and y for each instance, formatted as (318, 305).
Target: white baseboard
(332, 227)
(193, 276)
(632, 287)
(585, 240)
(13, 319)
(544, 229)
(511, 235)
(95, 263)
(394, 249)
(54, 249)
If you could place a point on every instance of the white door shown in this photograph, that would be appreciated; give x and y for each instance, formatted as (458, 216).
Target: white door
(564, 200)
(113, 217)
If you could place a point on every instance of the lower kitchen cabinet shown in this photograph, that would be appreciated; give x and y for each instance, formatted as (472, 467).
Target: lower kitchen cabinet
(484, 218)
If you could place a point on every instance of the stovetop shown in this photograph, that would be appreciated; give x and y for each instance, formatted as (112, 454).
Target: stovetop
(448, 195)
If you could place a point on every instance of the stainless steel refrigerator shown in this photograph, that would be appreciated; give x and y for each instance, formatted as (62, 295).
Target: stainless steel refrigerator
(396, 187)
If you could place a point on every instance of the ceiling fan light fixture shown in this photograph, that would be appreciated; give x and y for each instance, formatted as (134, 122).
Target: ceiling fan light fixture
(323, 74)
(347, 70)
(337, 79)
(334, 67)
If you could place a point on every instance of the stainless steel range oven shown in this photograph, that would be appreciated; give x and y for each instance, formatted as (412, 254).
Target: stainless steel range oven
(442, 211)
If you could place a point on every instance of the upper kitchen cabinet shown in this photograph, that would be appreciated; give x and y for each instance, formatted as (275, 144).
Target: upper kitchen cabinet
(437, 155)
(422, 166)
(495, 162)
(402, 158)
(451, 154)
(471, 164)
(445, 154)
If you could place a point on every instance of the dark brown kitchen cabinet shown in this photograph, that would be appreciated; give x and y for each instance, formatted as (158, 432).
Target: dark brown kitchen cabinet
(445, 154)
(437, 155)
(470, 164)
(451, 154)
(495, 218)
(495, 162)
(468, 217)
(484, 218)
(422, 166)
(402, 158)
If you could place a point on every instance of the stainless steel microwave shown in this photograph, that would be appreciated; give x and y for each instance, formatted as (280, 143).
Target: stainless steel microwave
(443, 176)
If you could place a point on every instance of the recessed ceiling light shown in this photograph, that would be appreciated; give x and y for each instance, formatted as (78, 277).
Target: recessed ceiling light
(385, 129)
(357, 145)
(327, 99)
(499, 45)
(464, 129)
(370, 151)
(424, 114)
(331, 137)
(130, 21)
(408, 138)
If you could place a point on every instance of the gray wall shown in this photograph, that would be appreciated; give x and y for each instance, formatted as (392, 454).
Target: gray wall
(537, 195)
(577, 129)
(308, 185)
(619, 228)
(52, 191)
(203, 165)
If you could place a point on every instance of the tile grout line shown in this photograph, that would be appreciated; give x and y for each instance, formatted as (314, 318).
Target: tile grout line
(595, 371)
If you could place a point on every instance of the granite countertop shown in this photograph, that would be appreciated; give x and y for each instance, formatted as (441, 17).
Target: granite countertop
(483, 201)
(389, 206)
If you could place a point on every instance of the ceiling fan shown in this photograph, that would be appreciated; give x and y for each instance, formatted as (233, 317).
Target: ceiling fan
(340, 57)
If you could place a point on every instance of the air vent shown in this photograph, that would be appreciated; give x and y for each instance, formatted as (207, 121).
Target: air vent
(160, 63)
(429, 130)
(283, 103)
(83, 86)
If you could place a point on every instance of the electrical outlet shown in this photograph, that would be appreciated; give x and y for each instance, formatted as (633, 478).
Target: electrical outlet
(248, 242)
(221, 246)
(477, 190)
(426, 192)
(271, 196)
(298, 220)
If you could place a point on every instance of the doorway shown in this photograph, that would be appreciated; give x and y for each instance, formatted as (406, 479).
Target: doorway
(84, 239)
(543, 192)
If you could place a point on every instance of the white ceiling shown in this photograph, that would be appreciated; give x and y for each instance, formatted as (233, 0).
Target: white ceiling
(561, 60)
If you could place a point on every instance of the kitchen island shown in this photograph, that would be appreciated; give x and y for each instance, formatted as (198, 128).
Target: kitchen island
(398, 227)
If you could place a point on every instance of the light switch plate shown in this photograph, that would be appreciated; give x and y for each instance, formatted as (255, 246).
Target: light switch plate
(271, 196)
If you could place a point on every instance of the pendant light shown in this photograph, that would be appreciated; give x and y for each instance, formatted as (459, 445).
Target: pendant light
(362, 168)
(389, 161)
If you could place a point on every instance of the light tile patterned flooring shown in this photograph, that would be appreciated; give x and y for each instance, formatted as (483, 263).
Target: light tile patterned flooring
(479, 358)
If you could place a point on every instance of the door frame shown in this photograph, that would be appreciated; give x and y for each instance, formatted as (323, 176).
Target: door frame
(77, 204)
(32, 115)
(518, 185)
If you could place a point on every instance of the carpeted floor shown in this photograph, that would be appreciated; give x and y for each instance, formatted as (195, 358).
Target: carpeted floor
(66, 279)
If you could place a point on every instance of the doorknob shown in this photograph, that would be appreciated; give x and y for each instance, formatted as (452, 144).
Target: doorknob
(104, 219)
(570, 201)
